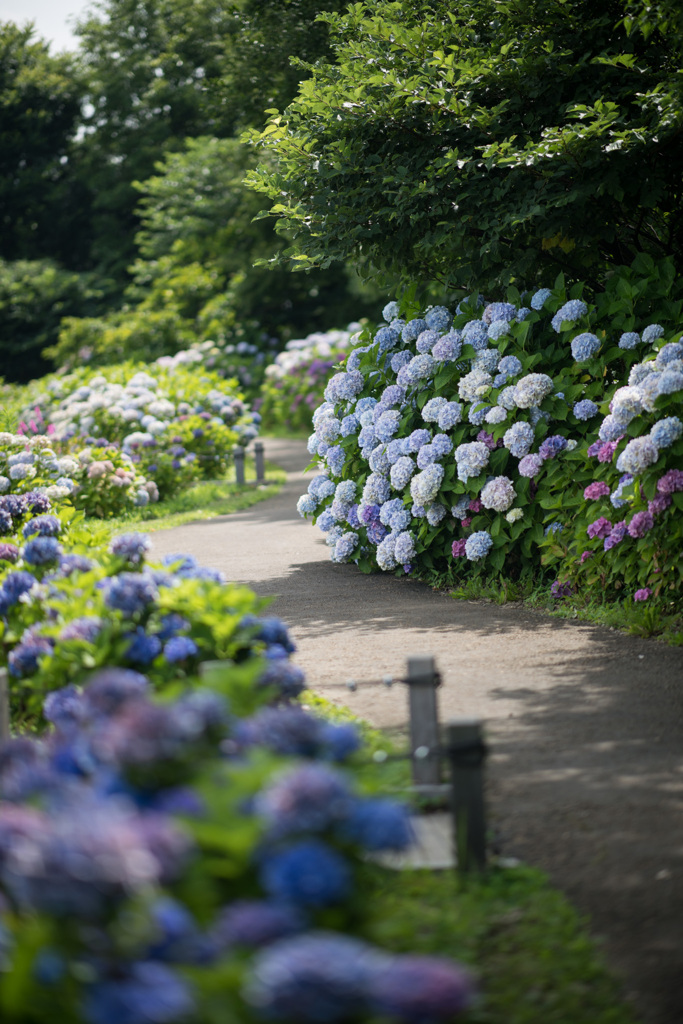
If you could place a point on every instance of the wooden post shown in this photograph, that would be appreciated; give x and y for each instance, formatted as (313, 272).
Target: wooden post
(4, 705)
(260, 462)
(424, 720)
(238, 456)
(466, 752)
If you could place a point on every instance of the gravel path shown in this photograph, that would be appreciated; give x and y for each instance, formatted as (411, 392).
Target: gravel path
(585, 724)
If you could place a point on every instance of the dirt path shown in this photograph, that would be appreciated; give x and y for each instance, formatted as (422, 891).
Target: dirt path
(585, 724)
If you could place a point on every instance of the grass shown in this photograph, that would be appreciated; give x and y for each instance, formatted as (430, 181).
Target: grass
(658, 619)
(204, 500)
(527, 947)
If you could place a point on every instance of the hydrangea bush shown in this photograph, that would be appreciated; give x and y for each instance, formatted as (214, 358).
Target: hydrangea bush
(177, 861)
(98, 477)
(295, 381)
(469, 439)
(69, 604)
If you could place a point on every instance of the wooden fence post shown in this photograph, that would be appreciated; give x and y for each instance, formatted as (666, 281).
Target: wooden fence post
(4, 705)
(260, 462)
(424, 720)
(238, 455)
(466, 752)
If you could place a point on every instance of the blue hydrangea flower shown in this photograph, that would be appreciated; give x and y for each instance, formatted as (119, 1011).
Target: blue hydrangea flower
(363, 405)
(584, 347)
(142, 648)
(346, 492)
(390, 311)
(670, 382)
(629, 340)
(387, 425)
(376, 489)
(569, 313)
(386, 553)
(132, 547)
(401, 472)
(379, 824)
(638, 454)
(530, 390)
(317, 978)
(413, 329)
(349, 425)
(385, 339)
(130, 593)
(539, 298)
(519, 438)
(396, 449)
(43, 526)
(447, 348)
(404, 548)
(325, 521)
(306, 505)
(450, 414)
(475, 333)
(496, 415)
(585, 409)
(418, 438)
(419, 368)
(477, 414)
(42, 551)
(498, 329)
(432, 408)
(669, 354)
(393, 395)
(478, 545)
(179, 648)
(486, 359)
(144, 991)
(438, 318)
(471, 459)
(23, 659)
(666, 431)
(345, 547)
(312, 444)
(367, 437)
(426, 341)
(321, 487)
(399, 522)
(461, 507)
(510, 365)
(425, 486)
(335, 458)
(652, 333)
(400, 359)
(426, 456)
(388, 509)
(442, 445)
(435, 513)
(611, 429)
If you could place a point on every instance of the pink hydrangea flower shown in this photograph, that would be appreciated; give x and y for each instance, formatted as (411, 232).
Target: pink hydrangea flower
(641, 524)
(642, 595)
(458, 548)
(659, 504)
(530, 465)
(607, 450)
(600, 528)
(671, 482)
(598, 489)
(585, 556)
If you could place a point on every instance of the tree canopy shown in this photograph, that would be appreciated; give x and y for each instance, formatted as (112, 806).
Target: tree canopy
(484, 142)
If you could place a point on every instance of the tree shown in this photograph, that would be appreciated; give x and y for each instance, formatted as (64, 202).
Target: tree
(34, 296)
(194, 277)
(484, 142)
(41, 211)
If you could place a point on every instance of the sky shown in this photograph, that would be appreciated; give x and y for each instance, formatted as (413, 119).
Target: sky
(52, 18)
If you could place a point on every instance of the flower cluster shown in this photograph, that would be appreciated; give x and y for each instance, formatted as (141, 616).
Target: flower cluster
(507, 404)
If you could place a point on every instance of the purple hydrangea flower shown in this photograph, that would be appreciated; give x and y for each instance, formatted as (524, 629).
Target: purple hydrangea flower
(422, 990)
(255, 923)
(42, 526)
(130, 593)
(42, 551)
(131, 547)
(641, 524)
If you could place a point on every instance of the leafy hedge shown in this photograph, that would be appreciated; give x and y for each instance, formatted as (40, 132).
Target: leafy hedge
(539, 429)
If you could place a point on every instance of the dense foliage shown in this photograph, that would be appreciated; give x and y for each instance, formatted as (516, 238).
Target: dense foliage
(484, 142)
(541, 428)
